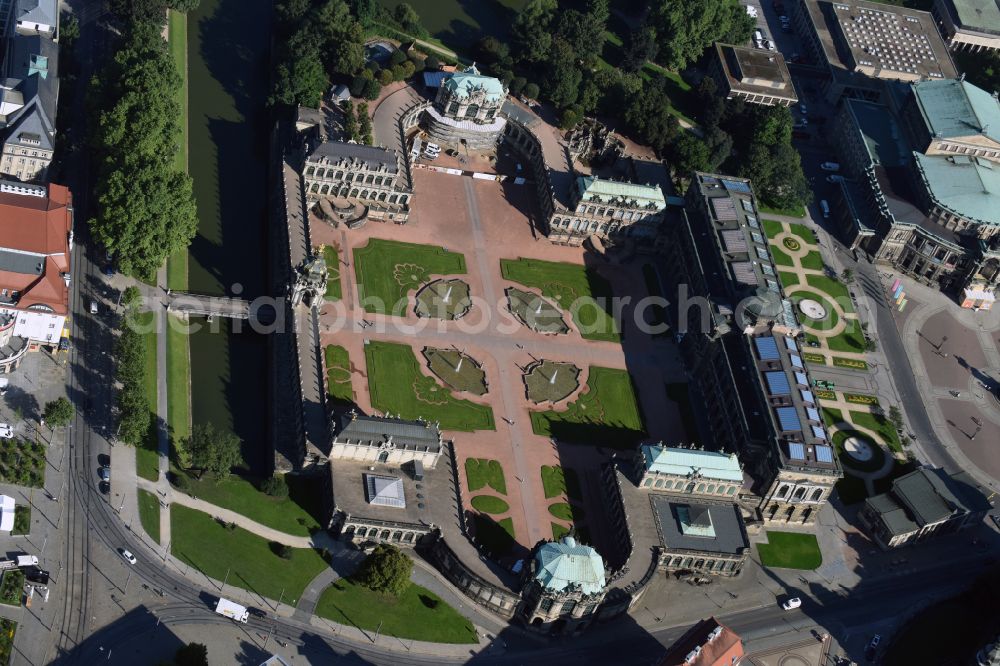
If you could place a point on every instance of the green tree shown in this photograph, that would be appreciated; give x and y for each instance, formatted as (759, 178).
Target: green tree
(981, 68)
(212, 450)
(407, 17)
(531, 33)
(275, 486)
(69, 30)
(685, 28)
(386, 570)
(432, 62)
(350, 122)
(584, 31)
(562, 75)
(896, 417)
(192, 654)
(372, 89)
(134, 416)
(689, 153)
(184, 6)
(365, 10)
(58, 412)
(301, 81)
(531, 91)
(365, 124)
(647, 113)
(640, 48)
(131, 297)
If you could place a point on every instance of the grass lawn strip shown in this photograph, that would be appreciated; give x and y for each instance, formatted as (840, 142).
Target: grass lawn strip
(416, 614)
(397, 386)
(559, 531)
(880, 425)
(490, 504)
(606, 412)
(559, 481)
(147, 454)
(797, 211)
(861, 399)
(851, 339)
(780, 258)
(831, 416)
(788, 278)
(212, 548)
(149, 514)
(573, 287)
(387, 271)
(178, 380)
(177, 263)
(12, 587)
(812, 357)
(772, 228)
(338, 374)
(331, 255)
(482, 472)
(284, 514)
(790, 550)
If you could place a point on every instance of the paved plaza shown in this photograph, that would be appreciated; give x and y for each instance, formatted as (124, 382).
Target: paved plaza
(488, 221)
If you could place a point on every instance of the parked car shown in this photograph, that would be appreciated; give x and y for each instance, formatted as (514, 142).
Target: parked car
(803, 109)
(825, 207)
(996, 519)
(6, 431)
(105, 473)
(792, 604)
(829, 166)
(93, 306)
(872, 647)
(834, 179)
(127, 556)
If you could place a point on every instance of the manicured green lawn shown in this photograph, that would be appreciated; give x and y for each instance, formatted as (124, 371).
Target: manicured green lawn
(790, 550)
(574, 288)
(772, 227)
(289, 514)
(559, 481)
(338, 374)
(873, 465)
(788, 279)
(812, 260)
(149, 514)
(831, 415)
(334, 290)
(397, 386)
(489, 504)
(814, 358)
(851, 339)
(834, 289)
(797, 211)
(147, 454)
(880, 425)
(178, 380)
(416, 614)
(482, 472)
(559, 531)
(824, 324)
(565, 511)
(497, 536)
(780, 258)
(804, 233)
(387, 271)
(203, 543)
(606, 413)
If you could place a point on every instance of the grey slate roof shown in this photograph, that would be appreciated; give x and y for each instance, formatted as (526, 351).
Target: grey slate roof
(37, 11)
(893, 515)
(371, 156)
(21, 262)
(927, 496)
(730, 533)
(376, 429)
(33, 60)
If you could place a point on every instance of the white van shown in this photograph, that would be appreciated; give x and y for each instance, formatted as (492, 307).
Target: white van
(825, 207)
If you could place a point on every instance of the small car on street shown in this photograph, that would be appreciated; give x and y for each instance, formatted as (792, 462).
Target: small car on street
(127, 556)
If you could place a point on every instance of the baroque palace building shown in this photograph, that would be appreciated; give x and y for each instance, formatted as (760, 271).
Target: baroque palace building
(741, 346)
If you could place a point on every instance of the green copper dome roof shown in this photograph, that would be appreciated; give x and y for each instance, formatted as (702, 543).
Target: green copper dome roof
(567, 564)
(464, 84)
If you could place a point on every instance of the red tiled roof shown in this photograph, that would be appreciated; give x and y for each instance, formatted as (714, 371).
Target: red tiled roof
(723, 650)
(39, 225)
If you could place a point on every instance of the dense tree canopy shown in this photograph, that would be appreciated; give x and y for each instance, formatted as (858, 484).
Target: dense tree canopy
(145, 204)
(213, 451)
(134, 417)
(386, 570)
(58, 412)
(685, 28)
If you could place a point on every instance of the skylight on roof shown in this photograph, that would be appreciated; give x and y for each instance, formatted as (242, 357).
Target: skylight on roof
(788, 418)
(777, 383)
(767, 348)
(796, 451)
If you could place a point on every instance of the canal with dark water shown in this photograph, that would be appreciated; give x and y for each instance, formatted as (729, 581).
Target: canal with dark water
(229, 125)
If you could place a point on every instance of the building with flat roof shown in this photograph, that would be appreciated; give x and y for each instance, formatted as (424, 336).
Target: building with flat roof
(700, 535)
(756, 76)
(36, 242)
(921, 190)
(708, 643)
(971, 25)
(740, 341)
(608, 209)
(923, 504)
(677, 469)
(864, 44)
